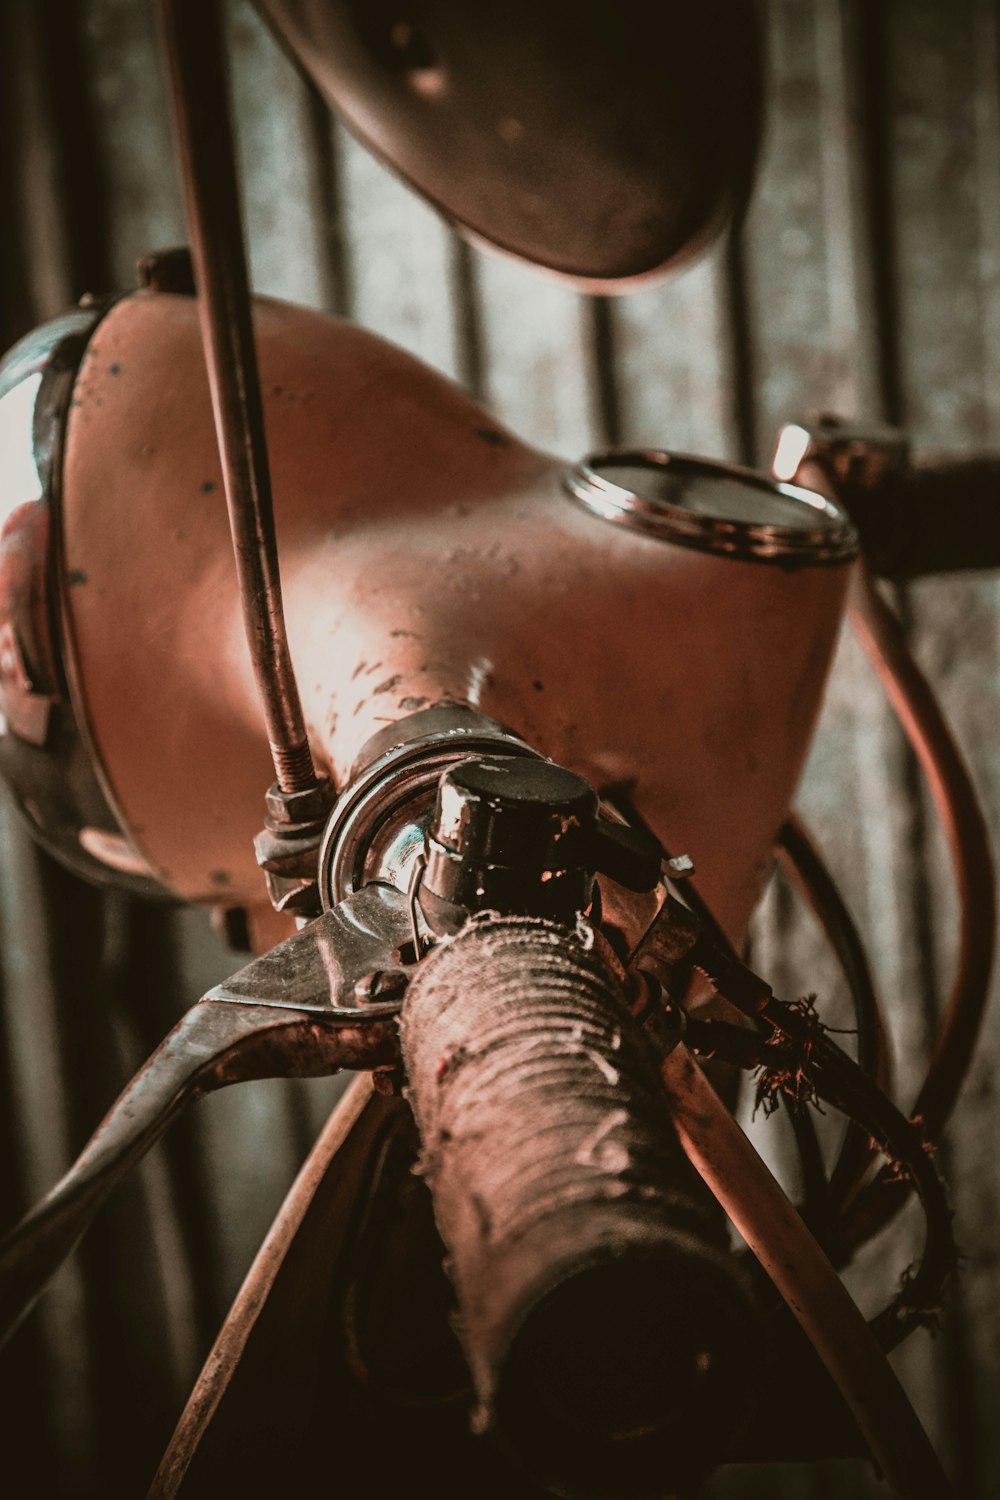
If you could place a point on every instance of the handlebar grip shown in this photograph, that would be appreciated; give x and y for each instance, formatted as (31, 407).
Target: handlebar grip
(612, 1343)
(939, 517)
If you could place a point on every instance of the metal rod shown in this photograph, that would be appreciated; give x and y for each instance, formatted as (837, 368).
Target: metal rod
(758, 1208)
(274, 1263)
(966, 833)
(802, 861)
(967, 836)
(193, 38)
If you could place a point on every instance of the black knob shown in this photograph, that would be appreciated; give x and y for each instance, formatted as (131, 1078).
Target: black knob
(524, 836)
(510, 809)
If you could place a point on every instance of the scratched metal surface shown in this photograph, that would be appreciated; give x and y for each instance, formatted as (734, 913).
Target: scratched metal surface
(867, 280)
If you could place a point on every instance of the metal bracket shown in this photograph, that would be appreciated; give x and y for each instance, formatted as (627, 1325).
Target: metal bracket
(319, 970)
(297, 1012)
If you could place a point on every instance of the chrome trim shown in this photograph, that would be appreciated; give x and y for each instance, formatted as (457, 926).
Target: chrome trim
(376, 830)
(830, 538)
(47, 754)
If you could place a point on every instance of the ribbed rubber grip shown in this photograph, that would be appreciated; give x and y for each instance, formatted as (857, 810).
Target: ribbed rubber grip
(609, 1337)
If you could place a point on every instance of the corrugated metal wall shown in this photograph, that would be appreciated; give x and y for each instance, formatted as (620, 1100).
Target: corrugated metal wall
(866, 280)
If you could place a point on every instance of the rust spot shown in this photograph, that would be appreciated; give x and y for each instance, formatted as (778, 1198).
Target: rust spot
(493, 437)
(538, 686)
(219, 877)
(114, 369)
(208, 486)
(75, 576)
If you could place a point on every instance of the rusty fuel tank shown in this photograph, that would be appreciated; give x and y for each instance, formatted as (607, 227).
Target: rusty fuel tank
(641, 618)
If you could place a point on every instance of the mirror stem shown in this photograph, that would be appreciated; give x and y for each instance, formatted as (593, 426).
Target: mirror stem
(193, 39)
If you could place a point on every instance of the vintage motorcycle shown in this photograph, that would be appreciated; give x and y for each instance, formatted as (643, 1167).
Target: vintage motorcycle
(530, 699)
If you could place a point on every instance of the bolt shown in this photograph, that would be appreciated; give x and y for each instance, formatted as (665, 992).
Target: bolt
(380, 985)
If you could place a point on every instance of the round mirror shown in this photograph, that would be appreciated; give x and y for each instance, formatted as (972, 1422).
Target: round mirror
(606, 140)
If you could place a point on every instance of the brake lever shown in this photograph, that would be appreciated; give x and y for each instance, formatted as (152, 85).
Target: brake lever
(300, 1011)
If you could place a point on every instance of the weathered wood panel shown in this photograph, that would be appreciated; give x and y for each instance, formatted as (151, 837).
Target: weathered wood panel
(809, 246)
(944, 146)
(866, 279)
(673, 366)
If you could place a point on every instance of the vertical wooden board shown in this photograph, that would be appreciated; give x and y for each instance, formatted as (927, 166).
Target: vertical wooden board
(804, 234)
(249, 1138)
(65, 204)
(133, 1297)
(126, 82)
(986, 95)
(943, 191)
(853, 375)
(672, 367)
(167, 1271)
(400, 257)
(814, 344)
(538, 355)
(39, 248)
(251, 1158)
(40, 1089)
(315, 1100)
(946, 148)
(249, 1133)
(275, 154)
(850, 797)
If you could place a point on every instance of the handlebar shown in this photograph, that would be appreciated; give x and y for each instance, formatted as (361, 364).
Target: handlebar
(610, 1338)
(939, 517)
(936, 516)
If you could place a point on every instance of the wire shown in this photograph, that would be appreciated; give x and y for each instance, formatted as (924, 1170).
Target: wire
(798, 1057)
(959, 811)
(815, 1188)
(801, 859)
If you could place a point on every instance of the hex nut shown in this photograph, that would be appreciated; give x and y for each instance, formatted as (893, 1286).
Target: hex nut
(285, 809)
